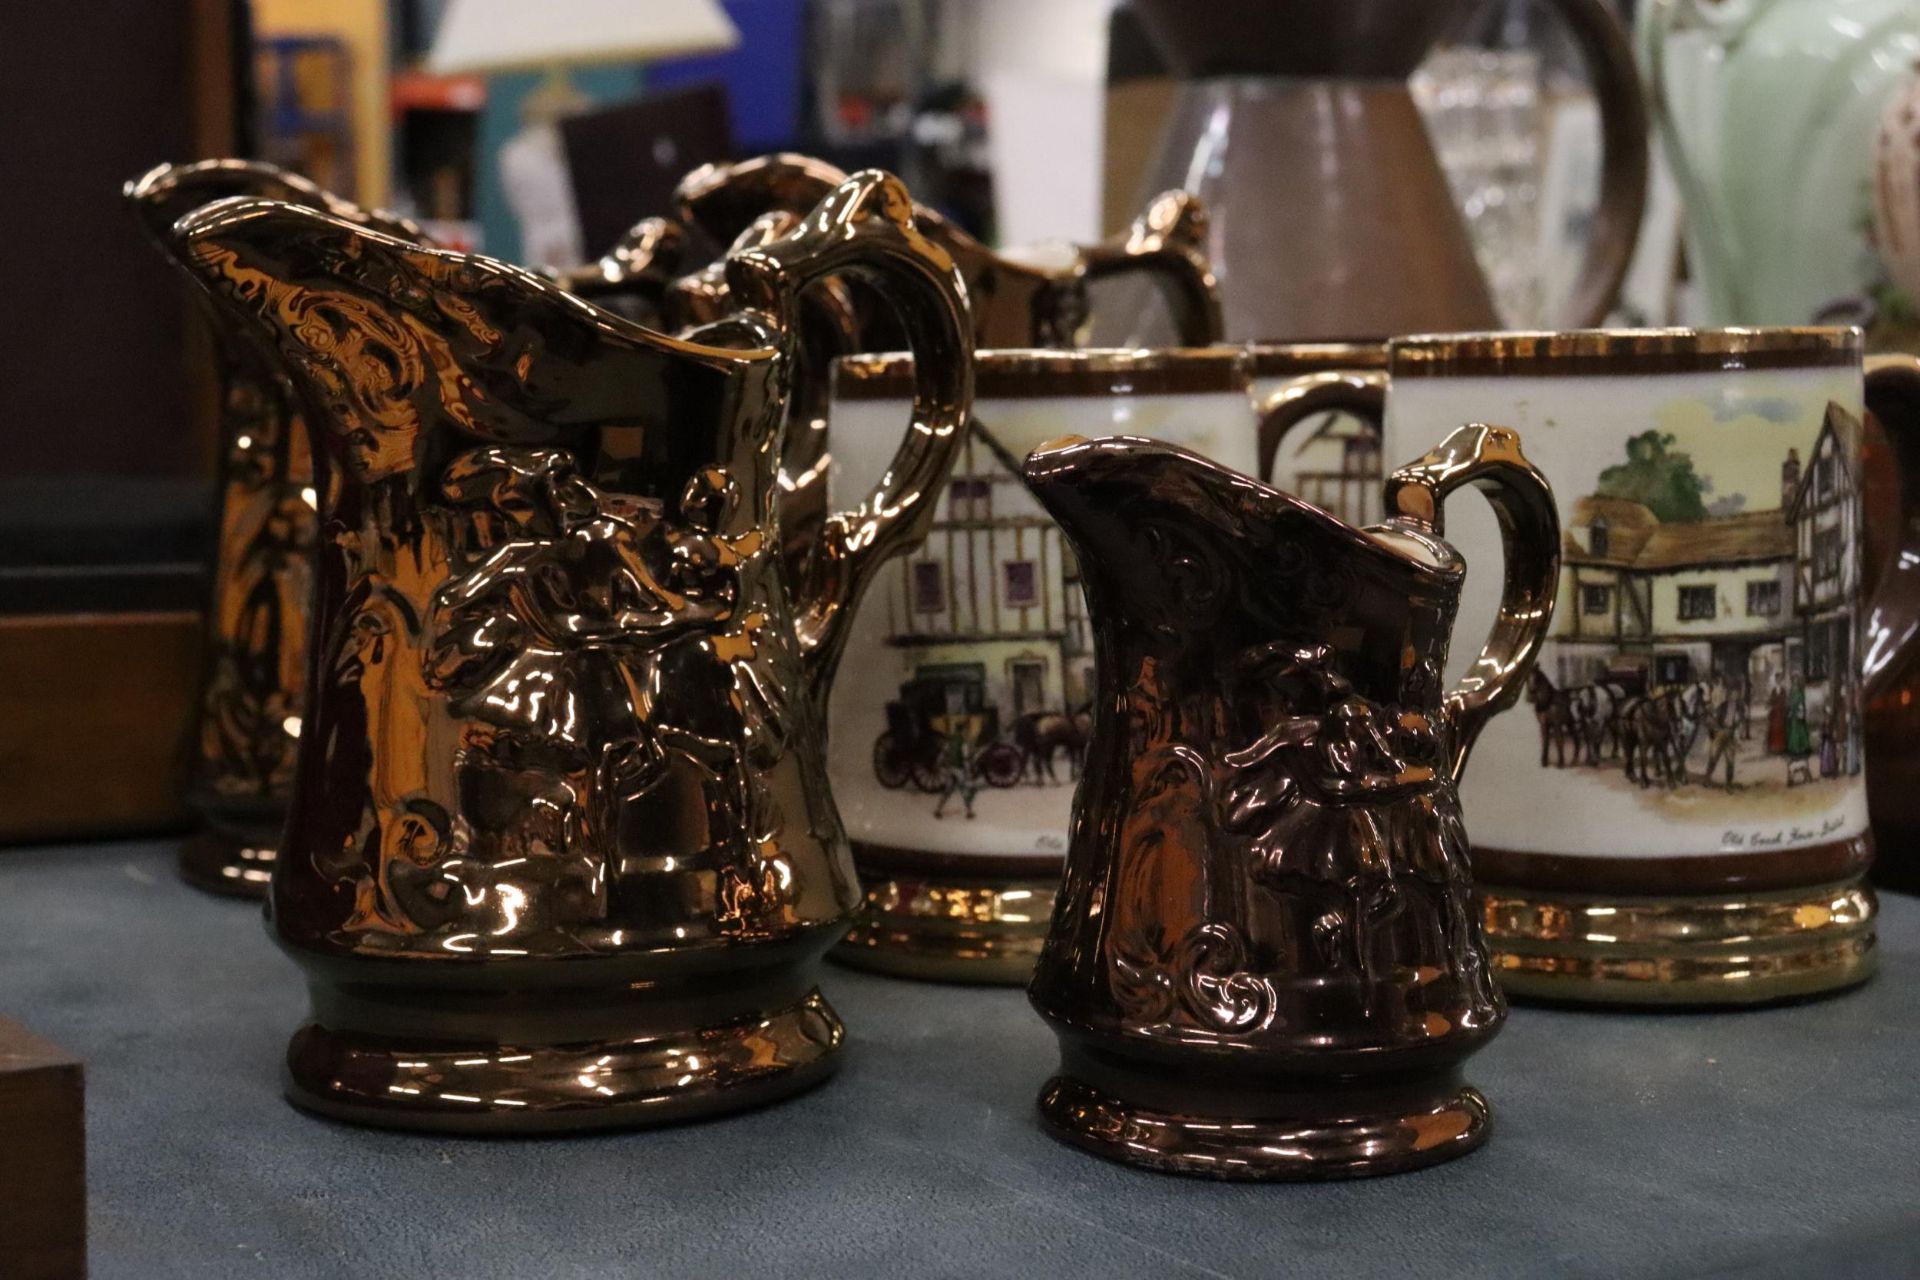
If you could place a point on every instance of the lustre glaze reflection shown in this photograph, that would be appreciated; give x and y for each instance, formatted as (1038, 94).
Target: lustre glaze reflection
(561, 851)
(1264, 961)
(255, 678)
(1015, 303)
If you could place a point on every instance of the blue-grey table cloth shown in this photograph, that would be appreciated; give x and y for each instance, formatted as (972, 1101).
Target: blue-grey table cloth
(1781, 1141)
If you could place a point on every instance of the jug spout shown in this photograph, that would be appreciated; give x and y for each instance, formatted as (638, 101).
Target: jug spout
(1196, 563)
(393, 342)
(168, 192)
(262, 579)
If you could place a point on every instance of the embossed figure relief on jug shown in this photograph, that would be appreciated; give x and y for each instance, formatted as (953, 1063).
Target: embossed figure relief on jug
(1265, 960)
(1769, 111)
(561, 851)
(263, 561)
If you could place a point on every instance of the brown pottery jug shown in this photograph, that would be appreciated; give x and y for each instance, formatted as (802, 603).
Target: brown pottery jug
(1294, 122)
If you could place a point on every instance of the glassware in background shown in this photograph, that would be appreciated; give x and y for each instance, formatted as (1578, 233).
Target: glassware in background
(1511, 108)
(1485, 112)
(896, 84)
(869, 68)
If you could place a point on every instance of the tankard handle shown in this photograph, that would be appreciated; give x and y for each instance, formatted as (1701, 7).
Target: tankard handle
(1360, 392)
(1168, 244)
(865, 228)
(1489, 458)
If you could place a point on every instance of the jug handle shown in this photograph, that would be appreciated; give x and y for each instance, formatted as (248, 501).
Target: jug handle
(1891, 522)
(1489, 458)
(1361, 392)
(865, 228)
(1608, 52)
(1168, 243)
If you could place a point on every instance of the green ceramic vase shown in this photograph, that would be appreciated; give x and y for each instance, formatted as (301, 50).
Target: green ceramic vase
(1768, 110)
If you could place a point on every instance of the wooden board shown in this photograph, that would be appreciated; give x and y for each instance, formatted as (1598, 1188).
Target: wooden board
(96, 711)
(43, 1167)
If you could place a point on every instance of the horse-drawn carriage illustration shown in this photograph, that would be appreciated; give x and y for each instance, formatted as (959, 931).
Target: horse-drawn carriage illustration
(1650, 729)
(930, 710)
(935, 707)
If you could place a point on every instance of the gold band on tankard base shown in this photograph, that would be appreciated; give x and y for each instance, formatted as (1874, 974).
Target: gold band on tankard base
(951, 928)
(1730, 948)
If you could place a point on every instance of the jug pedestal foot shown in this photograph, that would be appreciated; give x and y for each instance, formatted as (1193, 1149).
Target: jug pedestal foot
(1176, 1123)
(230, 859)
(1709, 949)
(950, 927)
(558, 1064)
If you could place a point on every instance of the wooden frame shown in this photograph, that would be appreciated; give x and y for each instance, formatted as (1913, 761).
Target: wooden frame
(96, 713)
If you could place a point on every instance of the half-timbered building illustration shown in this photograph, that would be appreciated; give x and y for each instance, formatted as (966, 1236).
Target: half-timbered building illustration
(1824, 513)
(1647, 602)
(1732, 634)
(993, 597)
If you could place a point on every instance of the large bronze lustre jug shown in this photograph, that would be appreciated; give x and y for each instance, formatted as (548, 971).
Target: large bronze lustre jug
(561, 852)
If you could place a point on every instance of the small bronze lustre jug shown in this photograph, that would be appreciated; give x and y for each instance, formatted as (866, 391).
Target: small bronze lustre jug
(561, 852)
(1264, 960)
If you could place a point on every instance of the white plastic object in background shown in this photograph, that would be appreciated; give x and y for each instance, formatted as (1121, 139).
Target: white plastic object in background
(1042, 69)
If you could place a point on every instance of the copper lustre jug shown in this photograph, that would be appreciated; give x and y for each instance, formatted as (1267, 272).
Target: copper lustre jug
(1014, 303)
(256, 627)
(561, 852)
(1264, 960)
